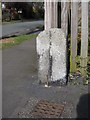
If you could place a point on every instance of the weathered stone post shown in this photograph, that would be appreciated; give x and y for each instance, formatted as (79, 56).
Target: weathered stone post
(51, 50)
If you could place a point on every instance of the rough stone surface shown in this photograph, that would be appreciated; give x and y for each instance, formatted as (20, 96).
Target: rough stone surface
(43, 55)
(51, 50)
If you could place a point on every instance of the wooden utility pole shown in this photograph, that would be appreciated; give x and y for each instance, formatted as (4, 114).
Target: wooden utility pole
(50, 14)
(84, 37)
(64, 18)
(46, 14)
(0, 12)
(56, 12)
(0, 62)
(74, 28)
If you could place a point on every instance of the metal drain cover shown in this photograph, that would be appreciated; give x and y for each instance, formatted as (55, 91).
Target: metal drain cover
(46, 109)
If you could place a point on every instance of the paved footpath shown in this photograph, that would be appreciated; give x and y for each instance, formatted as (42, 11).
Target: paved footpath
(20, 85)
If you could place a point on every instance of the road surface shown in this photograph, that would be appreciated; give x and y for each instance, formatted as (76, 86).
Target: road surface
(16, 28)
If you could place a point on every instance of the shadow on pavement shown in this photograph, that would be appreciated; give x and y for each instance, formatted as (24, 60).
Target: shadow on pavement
(83, 106)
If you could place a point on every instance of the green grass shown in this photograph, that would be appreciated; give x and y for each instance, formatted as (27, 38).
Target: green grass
(11, 22)
(40, 27)
(17, 40)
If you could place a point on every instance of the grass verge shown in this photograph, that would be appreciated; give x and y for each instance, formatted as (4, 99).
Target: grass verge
(11, 22)
(16, 40)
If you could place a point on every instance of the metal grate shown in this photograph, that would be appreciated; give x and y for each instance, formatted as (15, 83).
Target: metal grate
(46, 109)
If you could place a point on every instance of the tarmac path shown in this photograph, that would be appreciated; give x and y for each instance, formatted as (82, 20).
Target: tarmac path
(18, 71)
(20, 28)
(20, 84)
